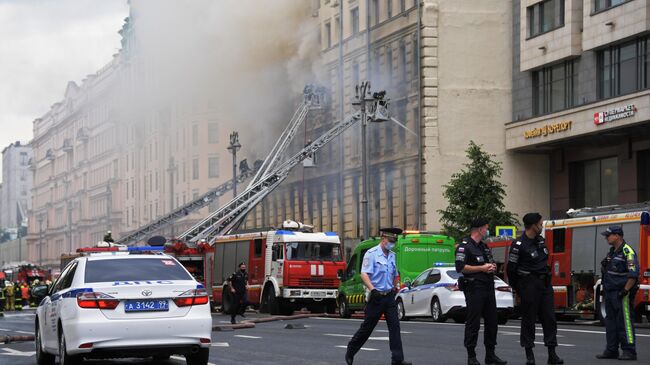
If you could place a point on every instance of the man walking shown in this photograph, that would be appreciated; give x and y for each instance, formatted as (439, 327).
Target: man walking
(530, 276)
(474, 259)
(380, 276)
(238, 283)
(620, 281)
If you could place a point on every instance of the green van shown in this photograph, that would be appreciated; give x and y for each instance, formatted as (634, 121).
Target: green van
(415, 252)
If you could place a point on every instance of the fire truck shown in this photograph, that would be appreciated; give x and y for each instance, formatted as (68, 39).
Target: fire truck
(197, 259)
(25, 272)
(288, 268)
(575, 251)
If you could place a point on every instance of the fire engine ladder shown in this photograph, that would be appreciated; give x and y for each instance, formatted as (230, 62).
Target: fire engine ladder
(225, 218)
(312, 99)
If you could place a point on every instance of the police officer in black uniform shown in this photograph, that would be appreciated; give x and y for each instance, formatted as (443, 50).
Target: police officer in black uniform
(238, 283)
(474, 259)
(620, 281)
(530, 276)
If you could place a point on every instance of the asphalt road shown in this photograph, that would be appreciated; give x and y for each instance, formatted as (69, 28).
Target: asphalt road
(323, 341)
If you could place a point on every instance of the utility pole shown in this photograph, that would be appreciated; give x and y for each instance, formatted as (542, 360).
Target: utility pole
(40, 239)
(233, 148)
(171, 169)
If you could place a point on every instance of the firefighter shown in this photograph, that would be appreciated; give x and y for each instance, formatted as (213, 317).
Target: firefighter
(2, 295)
(381, 278)
(18, 299)
(108, 237)
(529, 274)
(24, 293)
(10, 292)
(238, 283)
(474, 259)
(620, 281)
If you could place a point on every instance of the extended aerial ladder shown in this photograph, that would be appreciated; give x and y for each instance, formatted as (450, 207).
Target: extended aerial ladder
(313, 98)
(223, 220)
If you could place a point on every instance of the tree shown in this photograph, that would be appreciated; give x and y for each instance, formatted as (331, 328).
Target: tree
(475, 192)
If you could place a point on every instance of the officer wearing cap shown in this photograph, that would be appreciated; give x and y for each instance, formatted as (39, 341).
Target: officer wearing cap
(620, 269)
(474, 259)
(530, 276)
(380, 276)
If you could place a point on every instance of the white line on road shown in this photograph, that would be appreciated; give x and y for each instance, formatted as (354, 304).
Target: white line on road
(220, 344)
(559, 344)
(363, 348)
(180, 358)
(402, 332)
(349, 336)
(25, 332)
(508, 333)
(246, 336)
(12, 352)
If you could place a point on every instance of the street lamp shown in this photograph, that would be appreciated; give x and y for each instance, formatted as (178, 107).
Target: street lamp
(233, 148)
(171, 169)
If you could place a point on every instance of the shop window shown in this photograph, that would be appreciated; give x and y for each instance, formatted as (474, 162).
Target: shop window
(545, 16)
(623, 69)
(554, 88)
(594, 183)
(643, 175)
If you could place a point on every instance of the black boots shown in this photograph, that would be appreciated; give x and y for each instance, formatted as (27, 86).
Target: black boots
(492, 359)
(552, 357)
(349, 358)
(471, 357)
(530, 356)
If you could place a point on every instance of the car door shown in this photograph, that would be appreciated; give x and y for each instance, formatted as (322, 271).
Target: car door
(48, 322)
(61, 287)
(423, 296)
(411, 305)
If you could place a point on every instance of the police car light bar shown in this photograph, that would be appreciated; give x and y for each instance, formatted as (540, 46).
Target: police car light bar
(441, 264)
(120, 249)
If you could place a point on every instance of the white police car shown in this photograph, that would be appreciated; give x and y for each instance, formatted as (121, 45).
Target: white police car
(117, 304)
(435, 293)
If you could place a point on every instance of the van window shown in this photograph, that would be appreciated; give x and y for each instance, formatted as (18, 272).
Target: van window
(352, 267)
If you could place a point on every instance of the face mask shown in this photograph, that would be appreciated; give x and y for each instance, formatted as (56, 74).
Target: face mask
(390, 245)
(486, 234)
(242, 270)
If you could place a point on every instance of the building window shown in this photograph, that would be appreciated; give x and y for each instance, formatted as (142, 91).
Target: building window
(23, 159)
(402, 6)
(355, 74)
(375, 12)
(594, 183)
(600, 5)
(623, 69)
(545, 16)
(554, 88)
(195, 169)
(354, 19)
(389, 8)
(195, 135)
(213, 133)
(328, 35)
(213, 166)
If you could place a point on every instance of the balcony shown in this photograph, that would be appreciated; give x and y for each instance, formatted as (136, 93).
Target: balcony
(49, 155)
(67, 145)
(83, 134)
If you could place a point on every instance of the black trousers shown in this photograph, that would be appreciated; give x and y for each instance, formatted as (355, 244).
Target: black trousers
(240, 302)
(387, 306)
(619, 322)
(537, 302)
(481, 302)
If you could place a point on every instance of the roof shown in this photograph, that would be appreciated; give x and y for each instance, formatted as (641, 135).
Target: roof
(124, 255)
(605, 219)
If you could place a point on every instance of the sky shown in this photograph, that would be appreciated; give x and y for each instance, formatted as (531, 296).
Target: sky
(43, 45)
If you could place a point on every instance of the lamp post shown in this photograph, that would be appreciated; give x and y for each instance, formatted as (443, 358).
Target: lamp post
(171, 169)
(233, 148)
(40, 239)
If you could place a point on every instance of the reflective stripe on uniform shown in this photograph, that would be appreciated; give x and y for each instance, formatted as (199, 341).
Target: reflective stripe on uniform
(627, 320)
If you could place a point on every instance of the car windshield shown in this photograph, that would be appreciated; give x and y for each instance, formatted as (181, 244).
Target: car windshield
(317, 251)
(453, 274)
(141, 269)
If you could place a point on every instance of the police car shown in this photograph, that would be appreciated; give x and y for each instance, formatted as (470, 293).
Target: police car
(115, 302)
(435, 293)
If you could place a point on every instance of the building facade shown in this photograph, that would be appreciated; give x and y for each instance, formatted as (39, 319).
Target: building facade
(15, 196)
(446, 67)
(581, 98)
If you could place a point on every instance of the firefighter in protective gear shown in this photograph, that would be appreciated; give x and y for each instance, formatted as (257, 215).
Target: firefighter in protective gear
(474, 259)
(529, 274)
(2, 295)
(18, 297)
(620, 269)
(10, 292)
(108, 237)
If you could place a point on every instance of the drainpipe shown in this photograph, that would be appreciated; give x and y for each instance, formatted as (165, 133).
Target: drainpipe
(418, 122)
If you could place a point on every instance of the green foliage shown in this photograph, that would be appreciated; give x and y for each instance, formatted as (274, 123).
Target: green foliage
(475, 192)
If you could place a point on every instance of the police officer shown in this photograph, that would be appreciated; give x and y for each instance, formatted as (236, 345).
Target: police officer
(620, 270)
(380, 276)
(529, 274)
(474, 259)
(238, 283)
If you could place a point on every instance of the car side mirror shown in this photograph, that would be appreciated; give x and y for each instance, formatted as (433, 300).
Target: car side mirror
(408, 284)
(340, 274)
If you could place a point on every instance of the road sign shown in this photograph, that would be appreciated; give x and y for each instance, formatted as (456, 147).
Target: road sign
(508, 231)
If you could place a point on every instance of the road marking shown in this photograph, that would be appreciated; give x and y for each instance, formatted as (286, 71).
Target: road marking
(508, 333)
(363, 348)
(349, 336)
(402, 332)
(220, 344)
(180, 358)
(559, 344)
(246, 336)
(12, 352)
(25, 332)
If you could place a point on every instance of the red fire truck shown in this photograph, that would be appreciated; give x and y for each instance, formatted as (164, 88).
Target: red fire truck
(25, 272)
(288, 268)
(198, 259)
(576, 249)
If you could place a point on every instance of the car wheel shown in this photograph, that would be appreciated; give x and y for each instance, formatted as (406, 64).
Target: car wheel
(64, 358)
(344, 307)
(272, 302)
(42, 357)
(436, 311)
(401, 312)
(199, 358)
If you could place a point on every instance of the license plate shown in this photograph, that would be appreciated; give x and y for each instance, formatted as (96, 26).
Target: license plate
(317, 294)
(647, 307)
(152, 305)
